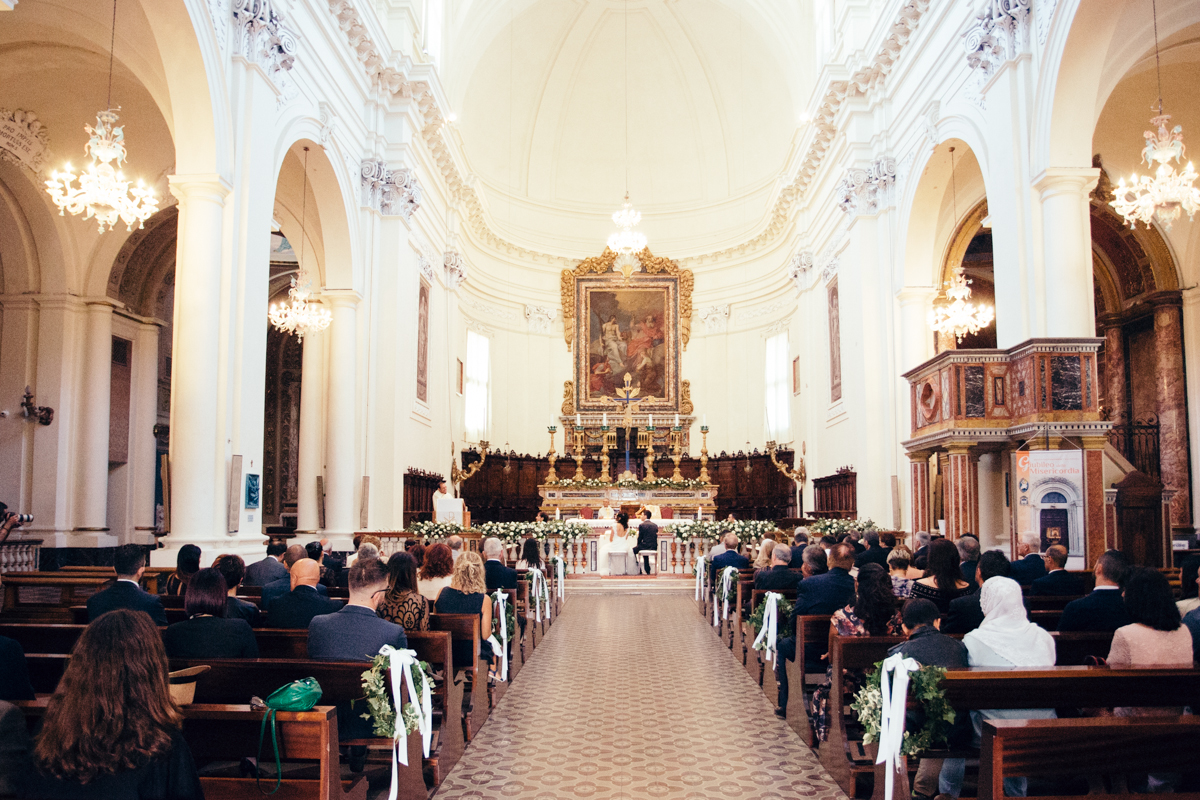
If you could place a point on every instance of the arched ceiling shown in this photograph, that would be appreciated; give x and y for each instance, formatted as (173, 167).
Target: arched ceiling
(713, 103)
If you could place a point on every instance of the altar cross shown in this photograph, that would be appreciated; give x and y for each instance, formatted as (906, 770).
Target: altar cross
(627, 396)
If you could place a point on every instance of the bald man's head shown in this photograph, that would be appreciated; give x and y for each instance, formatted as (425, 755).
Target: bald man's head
(305, 572)
(294, 554)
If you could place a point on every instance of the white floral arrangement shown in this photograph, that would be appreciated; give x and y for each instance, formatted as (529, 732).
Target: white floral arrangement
(836, 527)
(514, 532)
(749, 531)
(434, 530)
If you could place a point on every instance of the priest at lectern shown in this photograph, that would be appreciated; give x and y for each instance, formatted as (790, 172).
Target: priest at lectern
(447, 507)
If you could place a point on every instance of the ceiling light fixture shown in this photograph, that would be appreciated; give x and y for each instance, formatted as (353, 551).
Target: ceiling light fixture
(1168, 193)
(300, 314)
(627, 242)
(103, 192)
(957, 315)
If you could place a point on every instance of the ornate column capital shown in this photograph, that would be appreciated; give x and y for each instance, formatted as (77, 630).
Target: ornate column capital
(715, 318)
(999, 34)
(262, 38)
(800, 267)
(211, 188)
(915, 295)
(341, 298)
(865, 191)
(456, 269)
(390, 192)
(1066, 180)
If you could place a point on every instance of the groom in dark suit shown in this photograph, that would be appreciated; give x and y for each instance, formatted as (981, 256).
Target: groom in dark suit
(130, 564)
(647, 538)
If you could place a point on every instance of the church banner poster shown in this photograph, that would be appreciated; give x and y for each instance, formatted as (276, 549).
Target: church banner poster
(1049, 485)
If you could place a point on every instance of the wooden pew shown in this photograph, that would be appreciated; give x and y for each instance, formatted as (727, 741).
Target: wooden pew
(1041, 748)
(218, 732)
(1041, 602)
(464, 632)
(749, 633)
(810, 628)
(49, 596)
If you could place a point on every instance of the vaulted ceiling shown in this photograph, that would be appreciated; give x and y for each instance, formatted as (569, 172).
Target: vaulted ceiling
(715, 90)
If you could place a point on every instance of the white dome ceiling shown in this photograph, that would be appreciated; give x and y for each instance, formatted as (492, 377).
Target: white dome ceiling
(714, 97)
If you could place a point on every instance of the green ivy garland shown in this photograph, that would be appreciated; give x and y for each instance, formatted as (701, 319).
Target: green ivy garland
(380, 710)
(784, 619)
(510, 614)
(925, 689)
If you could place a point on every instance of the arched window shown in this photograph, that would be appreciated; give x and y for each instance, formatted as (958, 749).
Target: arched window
(1053, 497)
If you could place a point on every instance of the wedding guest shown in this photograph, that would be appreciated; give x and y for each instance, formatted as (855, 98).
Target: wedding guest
(187, 562)
(496, 574)
(873, 554)
(943, 581)
(898, 562)
(1104, 608)
(968, 552)
(455, 543)
(468, 594)
(779, 576)
(1057, 581)
(111, 729)
(233, 570)
(271, 568)
(435, 573)
(1188, 572)
(966, 613)
(814, 561)
(402, 603)
(531, 555)
(763, 560)
(206, 633)
(130, 564)
(872, 613)
(14, 671)
(1029, 565)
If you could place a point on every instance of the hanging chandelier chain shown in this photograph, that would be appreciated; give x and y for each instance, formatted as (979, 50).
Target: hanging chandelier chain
(626, 59)
(112, 49)
(1157, 63)
(303, 213)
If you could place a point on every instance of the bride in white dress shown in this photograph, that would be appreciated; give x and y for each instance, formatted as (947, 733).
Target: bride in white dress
(616, 542)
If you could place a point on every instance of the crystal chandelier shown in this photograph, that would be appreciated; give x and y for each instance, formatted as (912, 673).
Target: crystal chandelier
(300, 314)
(103, 192)
(1168, 193)
(958, 316)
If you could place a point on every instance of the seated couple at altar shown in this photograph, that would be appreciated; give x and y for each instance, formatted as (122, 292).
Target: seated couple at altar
(617, 547)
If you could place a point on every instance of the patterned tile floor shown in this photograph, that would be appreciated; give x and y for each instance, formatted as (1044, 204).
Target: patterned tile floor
(632, 696)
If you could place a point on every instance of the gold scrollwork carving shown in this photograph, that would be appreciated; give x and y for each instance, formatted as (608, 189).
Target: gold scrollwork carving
(651, 265)
(568, 403)
(685, 397)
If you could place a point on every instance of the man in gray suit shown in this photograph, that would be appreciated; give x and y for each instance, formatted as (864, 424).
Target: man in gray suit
(356, 633)
(260, 573)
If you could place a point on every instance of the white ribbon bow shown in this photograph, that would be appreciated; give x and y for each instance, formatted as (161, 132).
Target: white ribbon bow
(727, 575)
(559, 567)
(401, 663)
(893, 685)
(537, 587)
(501, 599)
(766, 636)
(699, 577)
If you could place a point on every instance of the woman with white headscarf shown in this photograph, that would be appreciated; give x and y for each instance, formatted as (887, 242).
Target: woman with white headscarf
(1006, 639)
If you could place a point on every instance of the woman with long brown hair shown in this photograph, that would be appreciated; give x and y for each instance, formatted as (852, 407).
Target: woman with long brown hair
(435, 572)
(111, 729)
(943, 579)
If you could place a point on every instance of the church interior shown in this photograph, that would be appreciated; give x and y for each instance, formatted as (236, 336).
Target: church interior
(708, 347)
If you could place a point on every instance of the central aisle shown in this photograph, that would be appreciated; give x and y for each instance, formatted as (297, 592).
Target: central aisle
(633, 696)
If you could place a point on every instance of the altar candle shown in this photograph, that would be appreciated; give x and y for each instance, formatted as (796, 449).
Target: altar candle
(649, 420)
(557, 512)
(676, 420)
(705, 421)
(604, 419)
(578, 420)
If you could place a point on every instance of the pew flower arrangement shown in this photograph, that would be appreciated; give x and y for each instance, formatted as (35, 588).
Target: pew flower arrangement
(925, 690)
(510, 616)
(513, 532)
(836, 527)
(783, 608)
(380, 711)
(434, 530)
(749, 531)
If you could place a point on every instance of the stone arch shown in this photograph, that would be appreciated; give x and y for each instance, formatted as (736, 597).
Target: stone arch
(30, 235)
(143, 264)
(970, 246)
(331, 197)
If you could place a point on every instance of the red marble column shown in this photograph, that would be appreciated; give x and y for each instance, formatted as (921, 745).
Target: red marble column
(1116, 399)
(919, 475)
(1172, 405)
(962, 491)
(1095, 533)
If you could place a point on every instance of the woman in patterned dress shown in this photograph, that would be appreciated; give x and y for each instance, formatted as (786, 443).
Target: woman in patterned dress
(403, 604)
(873, 613)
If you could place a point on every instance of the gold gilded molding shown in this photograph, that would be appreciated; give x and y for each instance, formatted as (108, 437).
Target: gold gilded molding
(651, 265)
(568, 403)
(685, 397)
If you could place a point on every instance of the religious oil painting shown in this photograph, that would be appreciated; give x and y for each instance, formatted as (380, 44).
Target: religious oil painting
(423, 343)
(628, 331)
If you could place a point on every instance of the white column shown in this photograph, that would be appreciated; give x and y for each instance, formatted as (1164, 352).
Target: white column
(340, 428)
(143, 448)
(197, 449)
(1067, 244)
(916, 337)
(91, 461)
(312, 430)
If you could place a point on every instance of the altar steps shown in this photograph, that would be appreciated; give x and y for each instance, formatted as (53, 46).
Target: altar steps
(632, 584)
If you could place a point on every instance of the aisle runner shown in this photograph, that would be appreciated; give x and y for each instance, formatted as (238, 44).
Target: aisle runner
(629, 697)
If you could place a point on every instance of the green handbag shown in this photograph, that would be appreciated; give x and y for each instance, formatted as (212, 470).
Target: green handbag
(299, 695)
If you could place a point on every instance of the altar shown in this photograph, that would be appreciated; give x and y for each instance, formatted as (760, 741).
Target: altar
(693, 503)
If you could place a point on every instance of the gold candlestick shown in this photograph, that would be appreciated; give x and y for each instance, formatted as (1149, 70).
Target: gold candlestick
(577, 451)
(604, 445)
(649, 452)
(704, 454)
(677, 451)
(551, 477)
